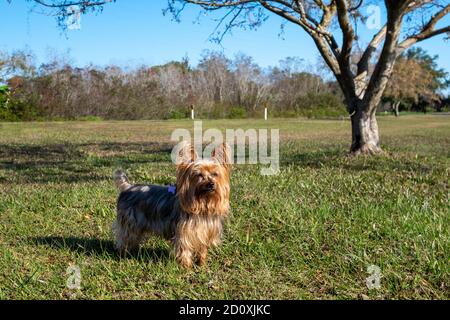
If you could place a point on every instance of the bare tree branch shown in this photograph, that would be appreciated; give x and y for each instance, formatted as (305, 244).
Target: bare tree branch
(63, 4)
(347, 31)
(385, 65)
(363, 64)
(211, 5)
(321, 45)
(427, 31)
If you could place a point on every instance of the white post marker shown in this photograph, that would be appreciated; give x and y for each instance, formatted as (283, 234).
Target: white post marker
(265, 113)
(192, 112)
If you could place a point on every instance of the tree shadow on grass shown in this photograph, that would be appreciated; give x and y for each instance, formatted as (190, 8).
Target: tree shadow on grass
(69, 150)
(315, 159)
(94, 162)
(340, 159)
(72, 162)
(101, 248)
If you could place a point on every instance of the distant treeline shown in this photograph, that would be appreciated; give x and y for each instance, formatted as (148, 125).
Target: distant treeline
(218, 87)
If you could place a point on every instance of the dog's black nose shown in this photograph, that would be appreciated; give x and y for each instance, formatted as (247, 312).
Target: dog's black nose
(211, 186)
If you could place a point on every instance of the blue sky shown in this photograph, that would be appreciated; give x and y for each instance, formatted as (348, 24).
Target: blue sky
(132, 32)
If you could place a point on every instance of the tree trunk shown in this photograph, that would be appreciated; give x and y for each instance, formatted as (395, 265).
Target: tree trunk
(395, 108)
(365, 137)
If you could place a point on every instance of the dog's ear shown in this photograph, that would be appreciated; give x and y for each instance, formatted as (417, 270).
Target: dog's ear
(221, 154)
(185, 153)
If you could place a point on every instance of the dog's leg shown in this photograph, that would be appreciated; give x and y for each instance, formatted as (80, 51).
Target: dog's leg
(202, 255)
(127, 238)
(183, 254)
(185, 259)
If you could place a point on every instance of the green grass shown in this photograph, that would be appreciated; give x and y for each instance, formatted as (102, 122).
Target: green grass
(308, 233)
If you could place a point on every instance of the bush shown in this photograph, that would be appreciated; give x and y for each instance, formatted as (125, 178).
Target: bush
(320, 106)
(237, 113)
(218, 112)
(177, 114)
(3, 97)
(89, 118)
(283, 114)
(16, 110)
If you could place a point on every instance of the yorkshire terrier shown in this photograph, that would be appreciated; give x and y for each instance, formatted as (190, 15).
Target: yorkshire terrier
(190, 214)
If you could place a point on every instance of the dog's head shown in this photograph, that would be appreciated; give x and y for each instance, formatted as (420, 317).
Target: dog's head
(203, 185)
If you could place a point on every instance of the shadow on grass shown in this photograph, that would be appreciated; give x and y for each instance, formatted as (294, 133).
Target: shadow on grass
(340, 159)
(78, 150)
(66, 162)
(316, 159)
(99, 248)
(94, 162)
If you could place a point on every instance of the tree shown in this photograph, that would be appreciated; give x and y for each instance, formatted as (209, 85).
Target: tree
(324, 21)
(440, 78)
(416, 77)
(18, 63)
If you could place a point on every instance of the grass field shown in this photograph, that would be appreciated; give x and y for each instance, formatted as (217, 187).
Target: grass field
(310, 232)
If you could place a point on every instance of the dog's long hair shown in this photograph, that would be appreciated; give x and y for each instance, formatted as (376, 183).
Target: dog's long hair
(192, 218)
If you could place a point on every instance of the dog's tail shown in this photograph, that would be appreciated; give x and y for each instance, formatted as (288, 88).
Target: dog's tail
(121, 180)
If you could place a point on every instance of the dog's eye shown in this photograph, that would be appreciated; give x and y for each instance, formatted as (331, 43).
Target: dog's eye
(200, 176)
(214, 174)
